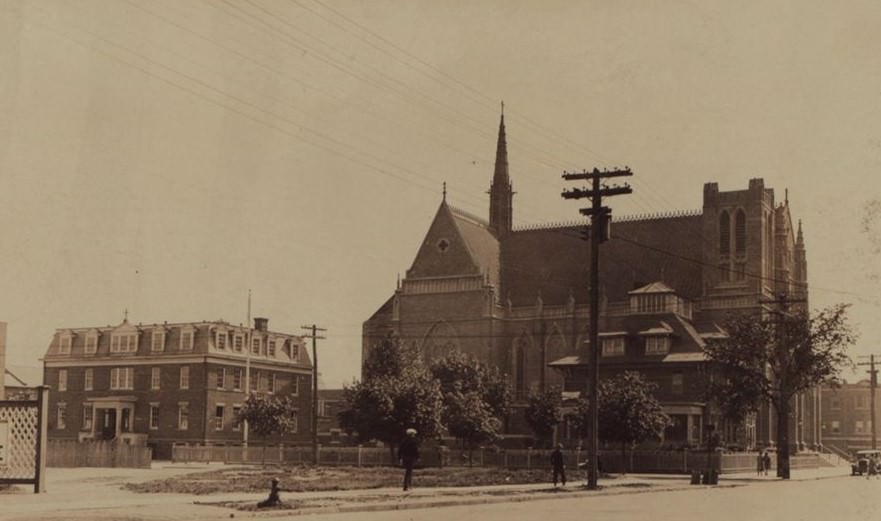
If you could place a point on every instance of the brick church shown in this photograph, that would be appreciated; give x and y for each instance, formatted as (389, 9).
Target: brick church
(517, 298)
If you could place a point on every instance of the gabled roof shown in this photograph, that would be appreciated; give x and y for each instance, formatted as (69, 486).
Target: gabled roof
(654, 287)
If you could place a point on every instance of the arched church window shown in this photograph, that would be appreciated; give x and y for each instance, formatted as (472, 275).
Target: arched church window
(740, 233)
(724, 233)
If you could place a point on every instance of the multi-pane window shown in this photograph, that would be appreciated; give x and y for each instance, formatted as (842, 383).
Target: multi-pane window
(613, 346)
(264, 381)
(183, 416)
(272, 383)
(295, 385)
(255, 346)
(858, 427)
(221, 377)
(657, 345)
(64, 345)
(61, 416)
(157, 343)
(740, 232)
(186, 340)
(62, 379)
(271, 348)
(253, 383)
(220, 342)
(237, 379)
(295, 352)
(295, 424)
(91, 344)
(122, 378)
(123, 343)
(87, 417)
(154, 415)
(185, 377)
(218, 417)
(236, 424)
(237, 342)
(155, 378)
(89, 379)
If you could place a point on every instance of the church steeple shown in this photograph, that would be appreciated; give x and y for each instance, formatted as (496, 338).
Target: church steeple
(501, 194)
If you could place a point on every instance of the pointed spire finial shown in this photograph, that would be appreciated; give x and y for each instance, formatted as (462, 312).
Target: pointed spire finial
(786, 196)
(125, 319)
(503, 108)
(445, 191)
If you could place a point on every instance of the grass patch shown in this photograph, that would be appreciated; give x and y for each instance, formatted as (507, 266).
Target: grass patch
(305, 478)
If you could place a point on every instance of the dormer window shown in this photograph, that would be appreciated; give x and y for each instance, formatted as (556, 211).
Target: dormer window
(271, 348)
(187, 335)
(657, 345)
(255, 346)
(613, 344)
(238, 342)
(295, 351)
(157, 341)
(220, 340)
(91, 344)
(64, 343)
(123, 343)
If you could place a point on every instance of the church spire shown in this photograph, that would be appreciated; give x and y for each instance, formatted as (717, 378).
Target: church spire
(501, 194)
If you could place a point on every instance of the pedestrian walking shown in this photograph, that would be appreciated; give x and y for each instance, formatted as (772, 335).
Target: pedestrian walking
(558, 466)
(766, 462)
(408, 455)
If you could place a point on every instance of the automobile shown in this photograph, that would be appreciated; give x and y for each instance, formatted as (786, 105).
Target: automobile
(861, 461)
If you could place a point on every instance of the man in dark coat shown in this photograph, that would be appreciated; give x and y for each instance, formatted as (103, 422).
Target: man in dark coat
(408, 455)
(558, 466)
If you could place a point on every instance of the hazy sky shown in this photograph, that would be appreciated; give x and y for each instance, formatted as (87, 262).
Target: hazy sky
(166, 156)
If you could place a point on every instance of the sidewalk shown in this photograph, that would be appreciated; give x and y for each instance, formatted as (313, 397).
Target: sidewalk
(94, 494)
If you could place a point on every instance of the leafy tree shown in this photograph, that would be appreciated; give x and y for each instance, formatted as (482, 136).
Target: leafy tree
(469, 418)
(629, 413)
(543, 413)
(396, 393)
(775, 358)
(477, 398)
(269, 415)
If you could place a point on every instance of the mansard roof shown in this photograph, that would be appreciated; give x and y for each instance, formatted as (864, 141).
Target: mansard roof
(554, 261)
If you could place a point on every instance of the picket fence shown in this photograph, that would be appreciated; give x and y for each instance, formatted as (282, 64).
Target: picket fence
(672, 462)
(97, 453)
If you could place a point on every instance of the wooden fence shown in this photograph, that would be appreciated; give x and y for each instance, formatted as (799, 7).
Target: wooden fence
(97, 453)
(670, 462)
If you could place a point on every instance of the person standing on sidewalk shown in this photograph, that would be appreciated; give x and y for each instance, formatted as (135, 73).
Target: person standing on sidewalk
(558, 466)
(408, 455)
(766, 462)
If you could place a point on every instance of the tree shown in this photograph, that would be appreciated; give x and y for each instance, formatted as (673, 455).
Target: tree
(269, 415)
(476, 399)
(397, 393)
(543, 414)
(629, 413)
(775, 358)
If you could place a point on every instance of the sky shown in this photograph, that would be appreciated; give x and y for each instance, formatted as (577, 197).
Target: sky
(166, 157)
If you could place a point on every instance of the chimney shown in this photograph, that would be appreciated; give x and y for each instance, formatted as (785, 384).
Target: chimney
(261, 324)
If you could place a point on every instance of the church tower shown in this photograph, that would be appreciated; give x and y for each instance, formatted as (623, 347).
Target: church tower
(501, 195)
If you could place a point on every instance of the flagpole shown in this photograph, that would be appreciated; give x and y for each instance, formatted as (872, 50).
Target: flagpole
(247, 369)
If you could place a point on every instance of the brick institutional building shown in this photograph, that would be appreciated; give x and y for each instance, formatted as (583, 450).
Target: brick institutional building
(517, 297)
(161, 384)
(847, 416)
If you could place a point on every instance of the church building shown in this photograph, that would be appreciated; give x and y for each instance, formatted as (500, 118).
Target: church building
(517, 298)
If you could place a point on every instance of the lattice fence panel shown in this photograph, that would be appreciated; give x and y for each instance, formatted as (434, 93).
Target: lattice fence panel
(21, 453)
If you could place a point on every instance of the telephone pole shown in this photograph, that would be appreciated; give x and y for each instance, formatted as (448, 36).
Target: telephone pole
(600, 217)
(783, 302)
(873, 384)
(314, 335)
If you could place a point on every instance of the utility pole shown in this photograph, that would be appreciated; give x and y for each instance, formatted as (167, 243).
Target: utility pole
(873, 384)
(600, 217)
(314, 335)
(783, 302)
